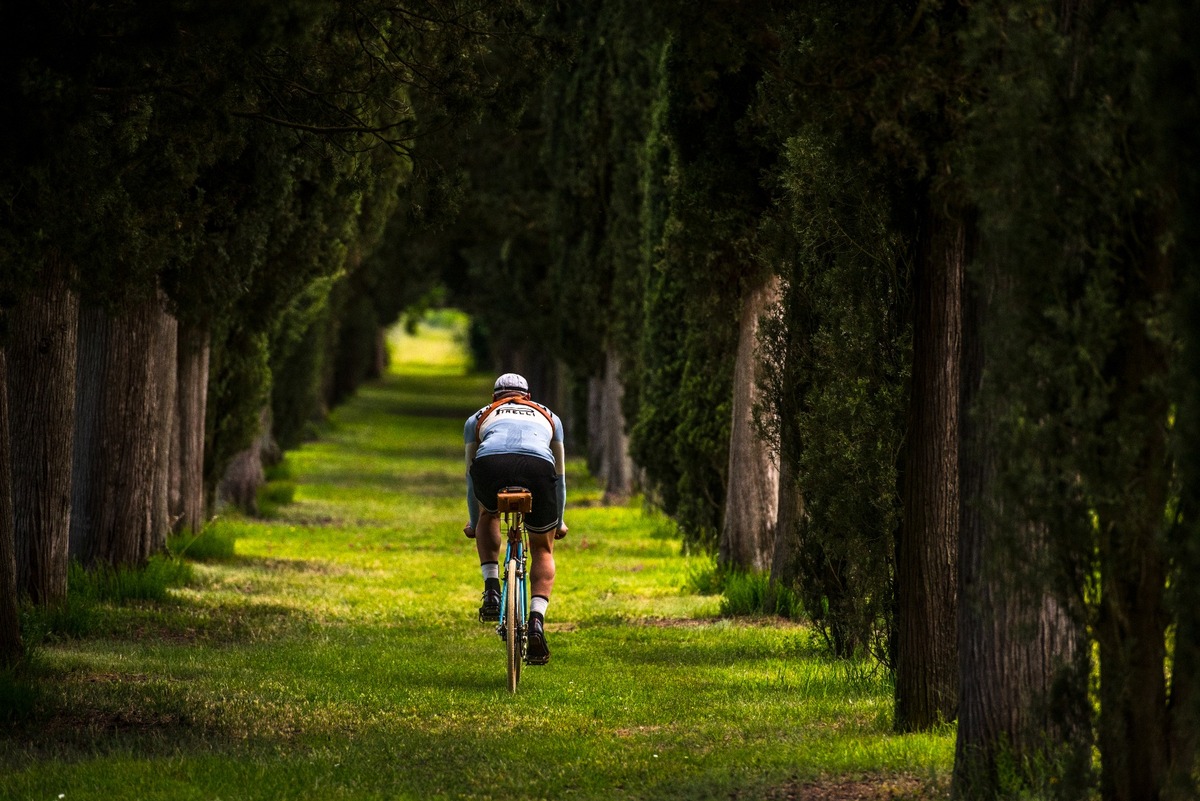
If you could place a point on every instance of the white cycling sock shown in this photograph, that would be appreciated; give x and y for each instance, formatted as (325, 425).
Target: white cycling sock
(491, 570)
(538, 604)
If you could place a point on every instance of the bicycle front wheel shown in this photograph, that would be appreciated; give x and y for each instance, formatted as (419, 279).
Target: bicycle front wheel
(510, 626)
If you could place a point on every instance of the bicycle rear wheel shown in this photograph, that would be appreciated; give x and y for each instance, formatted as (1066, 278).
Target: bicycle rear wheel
(510, 626)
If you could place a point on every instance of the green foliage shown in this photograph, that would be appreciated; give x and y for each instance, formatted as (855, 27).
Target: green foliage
(274, 494)
(88, 590)
(473, 221)
(836, 365)
(213, 542)
(238, 390)
(704, 577)
(752, 594)
(743, 593)
(151, 582)
(594, 160)
(19, 693)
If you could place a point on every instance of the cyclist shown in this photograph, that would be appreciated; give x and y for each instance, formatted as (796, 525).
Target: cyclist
(516, 442)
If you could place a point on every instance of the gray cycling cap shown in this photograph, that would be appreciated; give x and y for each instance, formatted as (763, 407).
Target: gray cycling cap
(511, 382)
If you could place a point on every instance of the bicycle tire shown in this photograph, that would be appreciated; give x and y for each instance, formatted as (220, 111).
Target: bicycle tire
(510, 626)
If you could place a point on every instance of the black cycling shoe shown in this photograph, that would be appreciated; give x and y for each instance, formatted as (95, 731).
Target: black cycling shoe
(536, 652)
(489, 610)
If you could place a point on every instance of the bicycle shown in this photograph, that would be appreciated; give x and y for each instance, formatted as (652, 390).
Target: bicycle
(513, 503)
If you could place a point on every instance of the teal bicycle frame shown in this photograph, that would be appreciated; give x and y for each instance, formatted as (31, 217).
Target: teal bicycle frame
(515, 549)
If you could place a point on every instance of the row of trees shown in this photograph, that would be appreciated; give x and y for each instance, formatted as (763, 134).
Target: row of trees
(889, 299)
(200, 206)
(955, 245)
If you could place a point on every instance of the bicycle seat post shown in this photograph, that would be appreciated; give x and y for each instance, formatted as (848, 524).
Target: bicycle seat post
(514, 503)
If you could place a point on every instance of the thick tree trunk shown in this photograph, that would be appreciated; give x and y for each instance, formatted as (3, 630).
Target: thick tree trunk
(187, 464)
(1133, 616)
(245, 473)
(1022, 657)
(380, 365)
(608, 442)
(752, 489)
(783, 555)
(119, 434)
(1183, 707)
(166, 386)
(927, 546)
(1184, 703)
(41, 398)
(11, 648)
(89, 378)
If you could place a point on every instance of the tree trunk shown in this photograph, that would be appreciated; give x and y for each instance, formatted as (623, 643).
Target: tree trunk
(1183, 706)
(245, 473)
(164, 367)
(927, 547)
(1022, 658)
(187, 464)
(119, 433)
(41, 399)
(783, 556)
(1133, 616)
(11, 648)
(752, 490)
(608, 442)
(1175, 102)
(382, 358)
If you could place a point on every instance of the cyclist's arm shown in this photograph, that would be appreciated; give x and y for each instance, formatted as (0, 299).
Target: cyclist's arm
(472, 504)
(471, 446)
(560, 472)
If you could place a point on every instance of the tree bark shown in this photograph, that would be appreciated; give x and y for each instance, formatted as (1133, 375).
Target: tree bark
(787, 522)
(608, 441)
(187, 464)
(752, 488)
(927, 547)
(1022, 657)
(11, 648)
(119, 434)
(1133, 615)
(245, 474)
(166, 374)
(41, 398)
(1175, 101)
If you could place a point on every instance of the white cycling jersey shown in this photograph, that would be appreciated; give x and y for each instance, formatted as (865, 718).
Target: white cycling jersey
(516, 428)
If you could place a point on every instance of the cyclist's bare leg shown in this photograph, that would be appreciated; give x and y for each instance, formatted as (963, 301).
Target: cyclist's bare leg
(487, 536)
(541, 564)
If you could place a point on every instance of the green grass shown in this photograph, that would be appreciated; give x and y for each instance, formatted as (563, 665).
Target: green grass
(332, 652)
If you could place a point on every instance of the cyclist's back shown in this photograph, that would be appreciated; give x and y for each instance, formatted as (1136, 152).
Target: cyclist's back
(514, 441)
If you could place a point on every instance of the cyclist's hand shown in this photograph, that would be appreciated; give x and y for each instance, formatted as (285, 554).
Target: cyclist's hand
(562, 531)
(469, 531)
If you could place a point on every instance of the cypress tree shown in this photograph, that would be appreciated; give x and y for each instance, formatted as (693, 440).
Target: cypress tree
(11, 645)
(863, 107)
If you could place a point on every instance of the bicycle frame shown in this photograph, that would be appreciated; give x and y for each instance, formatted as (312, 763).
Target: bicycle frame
(514, 503)
(515, 549)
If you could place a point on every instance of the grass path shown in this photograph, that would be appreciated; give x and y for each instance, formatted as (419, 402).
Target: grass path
(336, 654)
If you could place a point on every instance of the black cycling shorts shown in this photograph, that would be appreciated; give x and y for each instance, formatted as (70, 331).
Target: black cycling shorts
(490, 474)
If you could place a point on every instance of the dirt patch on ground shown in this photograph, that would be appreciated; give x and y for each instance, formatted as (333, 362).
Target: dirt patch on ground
(879, 788)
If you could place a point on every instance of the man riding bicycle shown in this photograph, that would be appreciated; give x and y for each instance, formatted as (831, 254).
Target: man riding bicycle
(516, 442)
